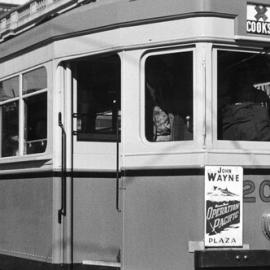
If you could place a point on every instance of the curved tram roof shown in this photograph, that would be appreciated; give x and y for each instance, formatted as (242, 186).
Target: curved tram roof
(91, 16)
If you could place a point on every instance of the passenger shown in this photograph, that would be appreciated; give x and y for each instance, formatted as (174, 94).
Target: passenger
(158, 102)
(246, 119)
(162, 120)
(166, 105)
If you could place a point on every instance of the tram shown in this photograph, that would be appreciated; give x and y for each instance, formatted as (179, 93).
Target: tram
(135, 135)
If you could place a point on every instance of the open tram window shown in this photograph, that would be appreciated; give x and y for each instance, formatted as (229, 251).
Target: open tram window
(169, 97)
(98, 98)
(9, 117)
(243, 96)
(35, 111)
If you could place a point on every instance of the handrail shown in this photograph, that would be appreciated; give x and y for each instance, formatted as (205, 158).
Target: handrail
(63, 210)
(28, 15)
(117, 169)
(36, 141)
(118, 174)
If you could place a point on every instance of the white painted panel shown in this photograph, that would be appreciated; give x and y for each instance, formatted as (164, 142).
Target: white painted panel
(149, 34)
(25, 61)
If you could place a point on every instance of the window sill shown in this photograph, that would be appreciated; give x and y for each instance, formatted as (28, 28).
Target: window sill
(26, 158)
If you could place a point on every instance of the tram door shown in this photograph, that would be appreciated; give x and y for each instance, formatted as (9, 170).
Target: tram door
(96, 115)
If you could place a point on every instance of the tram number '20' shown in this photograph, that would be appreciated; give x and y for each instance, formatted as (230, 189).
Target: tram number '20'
(250, 189)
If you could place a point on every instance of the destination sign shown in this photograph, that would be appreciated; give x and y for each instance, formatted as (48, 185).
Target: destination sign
(258, 19)
(223, 206)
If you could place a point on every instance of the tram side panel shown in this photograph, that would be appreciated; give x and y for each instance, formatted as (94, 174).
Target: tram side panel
(97, 225)
(256, 210)
(161, 215)
(26, 218)
(164, 214)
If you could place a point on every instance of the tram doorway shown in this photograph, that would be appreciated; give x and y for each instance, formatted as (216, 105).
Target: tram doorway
(95, 128)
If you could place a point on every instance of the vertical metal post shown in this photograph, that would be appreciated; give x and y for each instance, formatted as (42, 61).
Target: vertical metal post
(115, 111)
(63, 210)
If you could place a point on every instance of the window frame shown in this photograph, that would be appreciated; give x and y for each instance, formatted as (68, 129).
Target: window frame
(87, 154)
(30, 95)
(21, 112)
(236, 146)
(166, 51)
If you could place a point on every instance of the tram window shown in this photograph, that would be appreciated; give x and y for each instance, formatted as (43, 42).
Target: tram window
(34, 81)
(98, 98)
(35, 111)
(35, 124)
(169, 97)
(243, 96)
(9, 117)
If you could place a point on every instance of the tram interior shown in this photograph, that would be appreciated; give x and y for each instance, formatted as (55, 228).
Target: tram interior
(243, 96)
(98, 103)
(10, 129)
(9, 112)
(169, 97)
(36, 119)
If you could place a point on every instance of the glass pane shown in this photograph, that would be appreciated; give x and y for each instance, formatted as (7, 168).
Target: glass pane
(98, 98)
(34, 80)
(9, 89)
(35, 123)
(169, 97)
(243, 96)
(10, 129)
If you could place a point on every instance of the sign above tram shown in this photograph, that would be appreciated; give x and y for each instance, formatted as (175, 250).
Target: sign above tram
(258, 19)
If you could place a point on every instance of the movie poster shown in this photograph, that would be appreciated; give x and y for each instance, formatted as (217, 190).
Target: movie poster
(223, 206)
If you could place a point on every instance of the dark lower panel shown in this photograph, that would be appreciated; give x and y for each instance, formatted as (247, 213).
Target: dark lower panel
(232, 260)
(14, 263)
(237, 268)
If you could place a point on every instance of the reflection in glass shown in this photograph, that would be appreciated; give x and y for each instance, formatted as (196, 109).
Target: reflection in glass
(9, 89)
(34, 80)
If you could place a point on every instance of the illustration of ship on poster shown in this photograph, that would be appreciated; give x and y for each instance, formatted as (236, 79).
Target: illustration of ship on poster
(223, 206)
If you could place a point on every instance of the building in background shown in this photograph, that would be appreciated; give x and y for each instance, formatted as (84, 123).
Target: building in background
(7, 5)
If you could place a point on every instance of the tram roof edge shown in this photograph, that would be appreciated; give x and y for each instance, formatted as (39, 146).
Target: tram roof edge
(107, 14)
